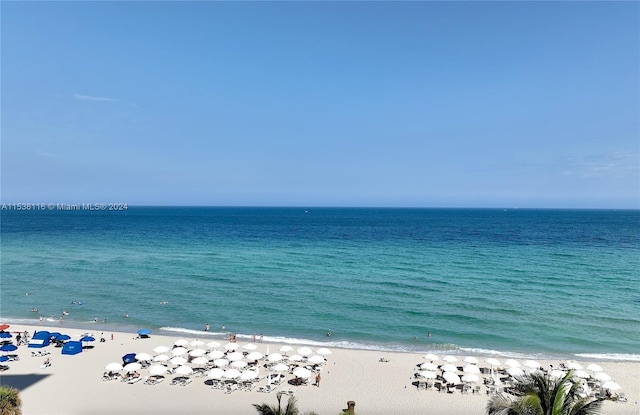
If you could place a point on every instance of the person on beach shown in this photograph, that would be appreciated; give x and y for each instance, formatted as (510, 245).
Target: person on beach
(206, 327)
(318, 380)
(261, 337)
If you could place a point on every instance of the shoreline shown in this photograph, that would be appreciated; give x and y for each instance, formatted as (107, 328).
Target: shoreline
(348, 374)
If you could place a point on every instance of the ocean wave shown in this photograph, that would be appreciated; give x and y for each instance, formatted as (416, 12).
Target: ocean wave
(611, 356)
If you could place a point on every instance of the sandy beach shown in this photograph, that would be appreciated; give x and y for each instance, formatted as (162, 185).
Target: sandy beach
(73, 384)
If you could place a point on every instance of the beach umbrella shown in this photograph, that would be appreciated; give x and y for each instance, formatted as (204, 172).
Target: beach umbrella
(557, 374)
(179, 351)
(221, 362)
(4, 358)
(249, 375)
(611, 385)
(451, 378)
(200, 360)
(323, 351)
(181, 343)
(450, 359)
(129, 358)
(88, 339)
(231, 374)
(295, 358)
(512, 363)
(63, 337)
(430, 356)
(132, 367)
(250, 346)
(428, 366)
(215, 354)
(581, 374)
(215, 373)
(8, 347)
(161, 358)
(302, 372)
(492, 361)
(316, 359)
(232, 357)
(602, 376)
(144, 332)
(534, 364)
(230, 346)
(5, 335)
(531, 370)
(274, 357)
(213, 344)
(515, 371)
(286, 348)
(4, 327)
(113, 367)
(471, 369)
(197, 352)
(183, 370)
(239, 364)
(145, 357)
(594, 368)
(157, 370)
(574, 366)
(280, 367)
(448, 367)
(471, 359)
(427, 374)
(161, 349)
(196, 343)
(254, 356)
(470, 378)
(178, 360)
(304, 351)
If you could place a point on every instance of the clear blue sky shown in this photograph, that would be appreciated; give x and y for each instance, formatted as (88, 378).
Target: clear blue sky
(425, 104)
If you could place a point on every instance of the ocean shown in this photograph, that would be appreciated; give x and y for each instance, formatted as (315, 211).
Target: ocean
(511, 282)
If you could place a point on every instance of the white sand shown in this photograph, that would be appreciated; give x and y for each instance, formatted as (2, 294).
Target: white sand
(73, 384)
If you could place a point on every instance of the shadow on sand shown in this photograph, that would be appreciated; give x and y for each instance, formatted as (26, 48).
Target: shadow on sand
(21, 382)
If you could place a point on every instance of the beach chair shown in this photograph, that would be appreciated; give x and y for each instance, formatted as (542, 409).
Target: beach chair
(133, 380)
(154, 380)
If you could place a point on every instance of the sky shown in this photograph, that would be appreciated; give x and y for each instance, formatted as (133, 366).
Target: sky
(383, 104)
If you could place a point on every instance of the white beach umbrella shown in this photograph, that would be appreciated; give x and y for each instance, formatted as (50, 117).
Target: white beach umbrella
(248, 375)
(448, 367)
(274, 357)
(581, 374)
(143, 357)
(512, 363)
(221, 362)
(113, 367)
(450, 359)
(250, 346)
(200, 361)
(304, 351)
(534, 364)
(302, 372)
(254, 356)
(594, 368)
(295, 358)
(132, 367)
(471, 369)
(179, 351)
(161, 358)
(515, 371)
(157, 370)
(471, 359)
(197, 352)
(215, 354)
(430, 356)
(213, 344)
(451, 378)
(601, 376)
(557, 374)
(427, 374)
(492, 361)
(178, 360)
(428, 366)
(215, 373)
(316, 359)
(181, 343)
(470, 378)
(574, 365)
(161, 349)
(183, 370)
(230, 346)
(231, 374)
(531, 370)
(239, 364)
(232, 357)
(197, 343)
(286, 348)
(323, 351)
(611, 385)
(280, 367)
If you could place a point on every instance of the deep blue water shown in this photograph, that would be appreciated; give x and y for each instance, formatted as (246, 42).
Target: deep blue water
(529, 282)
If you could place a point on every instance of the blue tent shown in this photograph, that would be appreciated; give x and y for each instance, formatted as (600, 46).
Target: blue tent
(40, 339)
(72, 347)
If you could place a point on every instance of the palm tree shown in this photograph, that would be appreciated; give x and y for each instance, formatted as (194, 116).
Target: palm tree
(10, 403)
(290, 409)
(538, 394)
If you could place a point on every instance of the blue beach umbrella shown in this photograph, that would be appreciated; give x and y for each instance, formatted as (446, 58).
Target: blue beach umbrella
(129, 358)
(5, 335)
(87, 339)
(63, 337)
(8, 348)
(4, 358)
(144, 332)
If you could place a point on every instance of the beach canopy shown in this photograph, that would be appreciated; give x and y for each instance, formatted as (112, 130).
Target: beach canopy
(72, 348)
(41, 335)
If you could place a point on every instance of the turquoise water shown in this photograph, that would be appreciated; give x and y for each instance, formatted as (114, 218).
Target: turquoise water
(515, 282)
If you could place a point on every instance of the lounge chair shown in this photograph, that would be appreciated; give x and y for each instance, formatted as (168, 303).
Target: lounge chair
(154, 380)
(133, 380)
